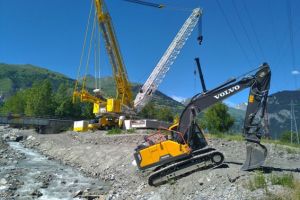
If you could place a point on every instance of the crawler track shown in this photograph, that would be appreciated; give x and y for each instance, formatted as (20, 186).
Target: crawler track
(199, 160)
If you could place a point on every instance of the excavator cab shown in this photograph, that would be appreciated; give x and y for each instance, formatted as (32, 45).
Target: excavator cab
(194, 138)
(197, 140)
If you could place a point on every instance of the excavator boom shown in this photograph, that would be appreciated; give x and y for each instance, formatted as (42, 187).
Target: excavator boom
(259, 84)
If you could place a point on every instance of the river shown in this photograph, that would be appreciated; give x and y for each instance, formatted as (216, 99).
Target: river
(50, 178)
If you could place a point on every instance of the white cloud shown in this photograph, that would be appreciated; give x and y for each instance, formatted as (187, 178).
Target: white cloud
(178, 98)
(295, 72)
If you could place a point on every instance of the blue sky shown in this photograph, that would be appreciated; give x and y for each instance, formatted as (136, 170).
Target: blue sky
(50, 34)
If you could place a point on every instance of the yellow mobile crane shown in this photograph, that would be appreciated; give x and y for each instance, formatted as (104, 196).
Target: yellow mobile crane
(124, 94)
(108, 110)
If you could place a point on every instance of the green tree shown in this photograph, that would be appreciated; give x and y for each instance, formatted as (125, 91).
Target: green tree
(87, 110)
(217, 119)
(165, 114)
(64, 107)
(41, 101)
(286, 137)
(148, 111)
(15, 104)
(152, 112)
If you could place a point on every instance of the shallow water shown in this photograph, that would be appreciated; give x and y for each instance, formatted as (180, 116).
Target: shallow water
(65, 180)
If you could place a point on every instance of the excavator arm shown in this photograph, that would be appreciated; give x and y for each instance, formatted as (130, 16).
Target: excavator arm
(259, 84)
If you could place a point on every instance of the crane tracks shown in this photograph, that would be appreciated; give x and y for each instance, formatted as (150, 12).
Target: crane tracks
(200, 160)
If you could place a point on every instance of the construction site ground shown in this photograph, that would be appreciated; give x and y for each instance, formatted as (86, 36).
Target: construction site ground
(110, 159)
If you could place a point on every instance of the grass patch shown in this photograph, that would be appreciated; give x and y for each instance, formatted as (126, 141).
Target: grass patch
(286, 180)
(239, 137)
(114, 131)
(280, 143)
(226, 136)
(131, 130)
(291, 151)
(296, 192)
(259, 181)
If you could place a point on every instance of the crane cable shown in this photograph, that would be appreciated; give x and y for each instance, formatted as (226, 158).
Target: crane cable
(145, 3)
(160, 6)
(83, 46)
(89, 52)
(289, 12)
(244, 28)
(99, 53)
(97, 57)
(233, 32)
(253, 29)
(282, 49)
(96, 62)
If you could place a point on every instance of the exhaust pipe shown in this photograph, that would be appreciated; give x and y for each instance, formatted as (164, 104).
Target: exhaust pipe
(256, 155)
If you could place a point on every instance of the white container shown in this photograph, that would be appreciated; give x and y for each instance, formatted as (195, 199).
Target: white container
(81, 126)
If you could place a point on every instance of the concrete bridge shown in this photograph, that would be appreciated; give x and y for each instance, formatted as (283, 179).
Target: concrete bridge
(42, 125)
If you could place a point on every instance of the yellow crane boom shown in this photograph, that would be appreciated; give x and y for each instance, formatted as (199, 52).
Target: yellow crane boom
(123, 87)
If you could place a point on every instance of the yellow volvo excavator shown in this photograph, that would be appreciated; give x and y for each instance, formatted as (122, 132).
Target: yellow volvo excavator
(186, 150)
(108, 111)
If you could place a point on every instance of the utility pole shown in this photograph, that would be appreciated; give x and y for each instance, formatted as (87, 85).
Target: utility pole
(266, 125)
(295, 122)
(294, 126)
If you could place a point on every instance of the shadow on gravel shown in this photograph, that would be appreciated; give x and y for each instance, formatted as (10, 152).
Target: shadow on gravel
(222, 166)
(268, 170)
(232, 162)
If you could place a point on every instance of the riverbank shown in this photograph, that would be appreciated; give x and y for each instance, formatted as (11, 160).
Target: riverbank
(27, 174)
(109, 158)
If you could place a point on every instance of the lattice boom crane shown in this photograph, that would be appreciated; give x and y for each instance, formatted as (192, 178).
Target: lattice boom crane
(166, 61)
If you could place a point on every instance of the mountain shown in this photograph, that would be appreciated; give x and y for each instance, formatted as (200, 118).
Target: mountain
(241, 106)
(278, 106)
(107, 85)
(279, 111)
(239, 116)
(17, 77)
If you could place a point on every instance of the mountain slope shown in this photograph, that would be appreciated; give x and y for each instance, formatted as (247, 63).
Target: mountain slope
(279, 110)
(17, 77)
(107, 85)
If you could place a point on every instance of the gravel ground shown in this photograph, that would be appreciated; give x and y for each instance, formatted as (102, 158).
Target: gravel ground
(109, 158)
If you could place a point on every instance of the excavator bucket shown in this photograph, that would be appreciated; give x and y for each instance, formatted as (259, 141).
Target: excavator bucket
(256, 155)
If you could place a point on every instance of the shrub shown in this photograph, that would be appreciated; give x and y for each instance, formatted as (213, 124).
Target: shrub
(286, 180)
(114, 131)
(259, 181)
